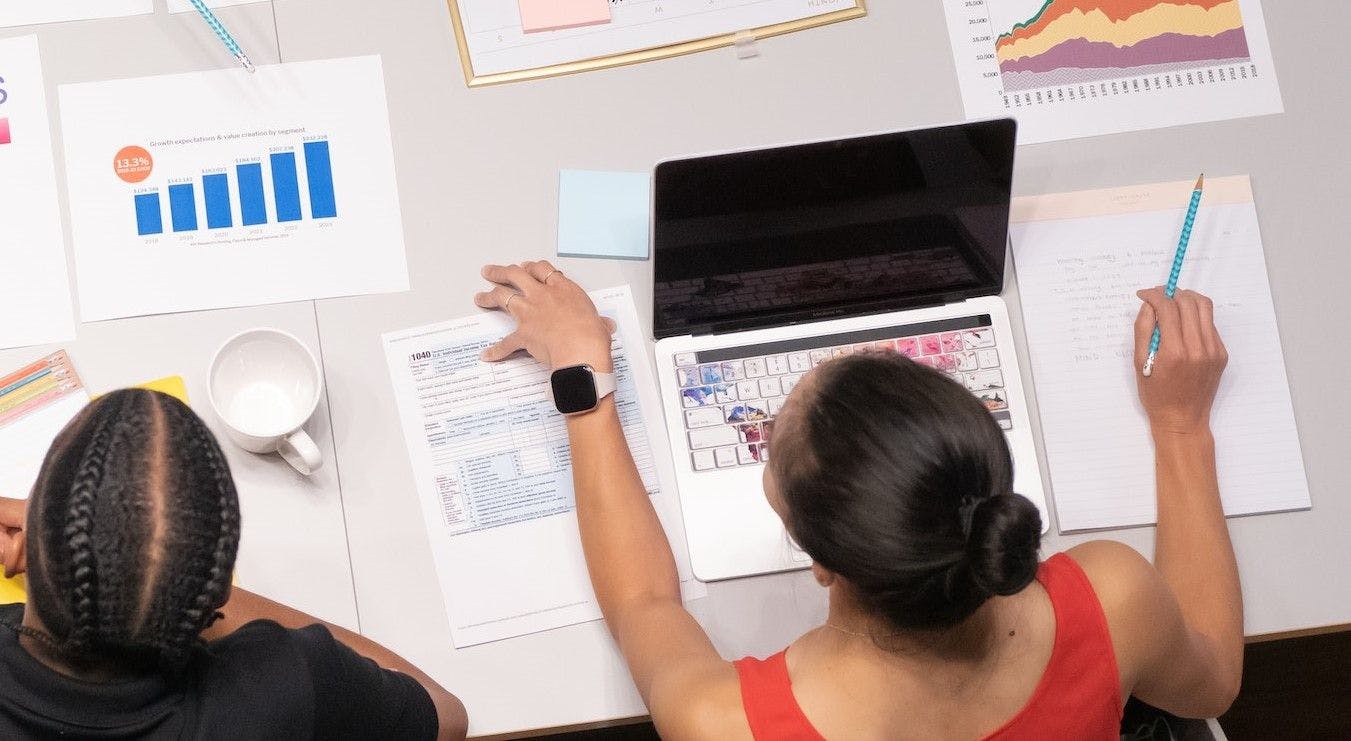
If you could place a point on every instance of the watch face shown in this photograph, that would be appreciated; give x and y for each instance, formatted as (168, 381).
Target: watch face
(574, 389)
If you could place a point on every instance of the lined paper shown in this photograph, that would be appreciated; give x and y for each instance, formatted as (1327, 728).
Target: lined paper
(1080, 258)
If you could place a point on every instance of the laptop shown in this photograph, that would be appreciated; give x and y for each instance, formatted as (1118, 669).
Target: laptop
(771, 261)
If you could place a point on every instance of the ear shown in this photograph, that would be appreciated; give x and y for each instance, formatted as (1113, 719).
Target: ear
(825, 577)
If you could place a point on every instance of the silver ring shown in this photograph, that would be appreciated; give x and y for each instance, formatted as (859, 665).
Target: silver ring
(550, 275)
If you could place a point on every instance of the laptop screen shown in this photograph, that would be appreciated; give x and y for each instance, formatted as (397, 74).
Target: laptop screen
(840, 228)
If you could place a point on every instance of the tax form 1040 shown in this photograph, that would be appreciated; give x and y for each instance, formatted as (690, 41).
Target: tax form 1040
(492, 466)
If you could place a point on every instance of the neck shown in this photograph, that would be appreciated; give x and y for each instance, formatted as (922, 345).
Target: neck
(967, 642)
(47, 654)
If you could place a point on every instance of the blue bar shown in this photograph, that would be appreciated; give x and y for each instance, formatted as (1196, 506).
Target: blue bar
(216, 190)
(183, 207)
(319, 171)
(148, 218)
(252, 204)
(285, 186)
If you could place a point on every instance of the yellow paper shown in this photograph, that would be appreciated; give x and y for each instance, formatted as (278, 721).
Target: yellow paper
(13, 590)
(171, 385)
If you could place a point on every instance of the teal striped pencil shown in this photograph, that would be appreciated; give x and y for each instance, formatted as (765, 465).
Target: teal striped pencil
(1171, 288)
(222, 33)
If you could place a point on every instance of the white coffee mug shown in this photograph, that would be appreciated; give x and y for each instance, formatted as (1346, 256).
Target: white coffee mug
(265, 385)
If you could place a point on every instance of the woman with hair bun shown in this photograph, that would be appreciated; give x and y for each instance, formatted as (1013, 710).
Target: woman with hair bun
(943, 622)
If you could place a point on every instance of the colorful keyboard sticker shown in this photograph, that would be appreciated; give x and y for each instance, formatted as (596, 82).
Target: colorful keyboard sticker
(37, 386)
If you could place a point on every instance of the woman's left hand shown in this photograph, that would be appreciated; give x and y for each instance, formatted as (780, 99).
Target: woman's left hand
(555, 319)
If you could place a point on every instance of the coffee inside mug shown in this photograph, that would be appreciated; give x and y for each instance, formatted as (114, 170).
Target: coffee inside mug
(264, 383)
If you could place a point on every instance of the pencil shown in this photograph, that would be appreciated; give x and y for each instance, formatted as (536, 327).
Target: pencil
(1171, 287)
(222, 33)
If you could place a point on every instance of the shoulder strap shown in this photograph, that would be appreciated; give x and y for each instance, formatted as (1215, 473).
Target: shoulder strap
(767, 697)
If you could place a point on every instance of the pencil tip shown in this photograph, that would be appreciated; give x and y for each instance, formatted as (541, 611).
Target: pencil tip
(1201, 181)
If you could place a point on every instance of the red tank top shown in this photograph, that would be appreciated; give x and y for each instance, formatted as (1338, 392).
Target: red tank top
(1079, 695)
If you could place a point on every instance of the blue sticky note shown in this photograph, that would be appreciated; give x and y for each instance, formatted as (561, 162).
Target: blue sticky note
(604, 214)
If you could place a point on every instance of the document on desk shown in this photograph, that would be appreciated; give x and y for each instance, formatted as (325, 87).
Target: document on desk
(1080, 257)
(36, 402)
(491, 460)
(210, 190)
(31, 12)
(35, 306)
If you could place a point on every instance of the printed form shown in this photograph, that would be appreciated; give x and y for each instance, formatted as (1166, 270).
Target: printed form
(494, 476)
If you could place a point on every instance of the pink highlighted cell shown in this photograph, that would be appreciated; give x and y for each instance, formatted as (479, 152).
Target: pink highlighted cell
(554, 15)
(4, 131)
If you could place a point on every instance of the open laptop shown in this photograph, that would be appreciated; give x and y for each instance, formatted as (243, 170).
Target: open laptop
(769, 262)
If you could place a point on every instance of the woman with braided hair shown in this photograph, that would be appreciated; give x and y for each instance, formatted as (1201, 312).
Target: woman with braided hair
(132, 629)
(943, 621)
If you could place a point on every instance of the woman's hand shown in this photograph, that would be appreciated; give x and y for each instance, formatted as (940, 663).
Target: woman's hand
(13, 537)
(1188, 366)
(556, 321)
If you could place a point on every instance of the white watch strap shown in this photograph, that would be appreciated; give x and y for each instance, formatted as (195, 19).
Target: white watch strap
(605, 384)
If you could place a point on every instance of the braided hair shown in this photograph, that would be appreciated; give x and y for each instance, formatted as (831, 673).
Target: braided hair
(133, 528)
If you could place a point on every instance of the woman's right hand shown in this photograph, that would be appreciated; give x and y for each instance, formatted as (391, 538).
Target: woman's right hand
(13, 536)
(1187, 369)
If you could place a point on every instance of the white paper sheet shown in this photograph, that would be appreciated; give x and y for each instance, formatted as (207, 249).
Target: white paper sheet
(264, 188)
(497, 43)
(1080, 257)
(36, 402)
(29, 12)
(35, 305)
(491, 460)
(183, 6)
(1072, 68)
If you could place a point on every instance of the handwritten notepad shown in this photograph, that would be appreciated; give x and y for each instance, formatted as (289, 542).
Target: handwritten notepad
(1080, 257)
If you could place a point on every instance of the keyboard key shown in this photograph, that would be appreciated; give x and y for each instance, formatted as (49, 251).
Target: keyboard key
(840, 352)
(988, 358)
(976, 339)
(699, 396)
(951, 341)
(764, 453)
(777, 364)
(748, 454)
(747, 411)
(770, 387)
(986, 379)
(776, 405)
(799, 362)
(704, 460)
(908, 347)
(712, 437)
(819, 356)
(733, 371)
(755, 368)
(995, 400)
(725, 457)
(687, 377)
(767, 430)
(930, 345)
(747, 390)
(945, 363)
(750, 433)
(685, 358)
(710, 374)
(703, 417)
(966, 361)
(790, 383)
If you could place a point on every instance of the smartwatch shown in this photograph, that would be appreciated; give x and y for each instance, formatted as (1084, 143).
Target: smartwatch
(578, 389)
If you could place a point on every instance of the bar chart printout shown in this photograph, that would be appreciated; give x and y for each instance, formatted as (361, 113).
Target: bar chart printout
(221, 197)
(209, 190)
(1069, 68)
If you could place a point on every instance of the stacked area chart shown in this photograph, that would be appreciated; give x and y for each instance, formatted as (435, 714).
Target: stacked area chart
(1075, 41)
(1120, 65)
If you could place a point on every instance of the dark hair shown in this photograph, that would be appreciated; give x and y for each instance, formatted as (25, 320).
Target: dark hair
(896, 478)
(133, 529)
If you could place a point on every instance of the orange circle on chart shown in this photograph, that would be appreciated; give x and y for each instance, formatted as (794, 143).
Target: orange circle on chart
(133, 164)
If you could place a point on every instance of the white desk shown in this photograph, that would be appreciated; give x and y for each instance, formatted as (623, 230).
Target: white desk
(477, 175)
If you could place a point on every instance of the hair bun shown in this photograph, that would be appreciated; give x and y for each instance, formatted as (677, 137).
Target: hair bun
(1002, 544)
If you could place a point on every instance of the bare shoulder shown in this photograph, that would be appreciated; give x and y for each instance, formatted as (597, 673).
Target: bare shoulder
(709, 707)
(1141, 610)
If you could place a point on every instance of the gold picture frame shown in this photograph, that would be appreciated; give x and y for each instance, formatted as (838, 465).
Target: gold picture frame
(639, 55)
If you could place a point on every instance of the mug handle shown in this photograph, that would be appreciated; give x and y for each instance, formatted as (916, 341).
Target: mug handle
(299, 450)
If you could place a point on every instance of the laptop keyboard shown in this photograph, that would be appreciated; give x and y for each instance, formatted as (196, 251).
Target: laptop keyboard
(730, 397)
